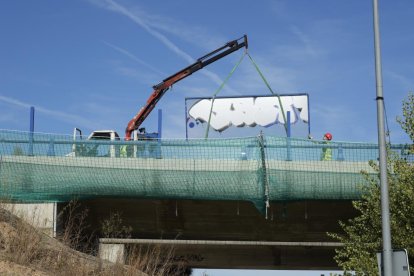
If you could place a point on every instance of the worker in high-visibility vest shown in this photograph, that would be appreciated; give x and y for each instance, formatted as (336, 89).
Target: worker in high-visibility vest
(326, 151)
(123, 151)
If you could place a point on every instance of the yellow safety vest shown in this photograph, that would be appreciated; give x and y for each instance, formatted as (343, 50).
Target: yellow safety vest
(326, 153)
(123, 151)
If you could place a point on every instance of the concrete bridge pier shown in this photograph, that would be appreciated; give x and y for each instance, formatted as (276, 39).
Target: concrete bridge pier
(42, 216)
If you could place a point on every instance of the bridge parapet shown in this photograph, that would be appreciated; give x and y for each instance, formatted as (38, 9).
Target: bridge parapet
(257, 169)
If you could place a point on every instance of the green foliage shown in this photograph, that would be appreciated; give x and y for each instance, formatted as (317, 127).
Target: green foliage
(113, 227)
(17, 151)
(407, 122)
(362, 235)
(86, 150)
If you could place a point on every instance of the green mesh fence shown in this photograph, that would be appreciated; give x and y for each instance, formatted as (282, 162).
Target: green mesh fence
(46, 167)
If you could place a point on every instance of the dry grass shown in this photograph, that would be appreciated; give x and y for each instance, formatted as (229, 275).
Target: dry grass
(155, 260)
(26, 246)
(29, 251)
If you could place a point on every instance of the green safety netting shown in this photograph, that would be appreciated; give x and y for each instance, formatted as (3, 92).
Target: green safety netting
(38, 167)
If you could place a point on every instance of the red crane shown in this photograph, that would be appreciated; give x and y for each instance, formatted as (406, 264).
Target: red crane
(162, 87)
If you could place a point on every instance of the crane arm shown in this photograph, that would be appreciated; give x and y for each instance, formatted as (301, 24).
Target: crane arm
(162, 87)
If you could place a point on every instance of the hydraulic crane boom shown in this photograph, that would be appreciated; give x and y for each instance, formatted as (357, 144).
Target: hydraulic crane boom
(162, 87)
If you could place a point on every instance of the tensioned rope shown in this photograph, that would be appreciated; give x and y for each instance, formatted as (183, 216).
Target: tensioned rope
(271, 90)
(219, 89)
(228, 77)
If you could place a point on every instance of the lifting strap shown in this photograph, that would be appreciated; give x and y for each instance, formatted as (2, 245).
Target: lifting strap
(219, 89)
(271, 91)
(228, 77)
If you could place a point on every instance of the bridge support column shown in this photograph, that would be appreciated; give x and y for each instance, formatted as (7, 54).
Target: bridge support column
(113, 252)
(39, 215)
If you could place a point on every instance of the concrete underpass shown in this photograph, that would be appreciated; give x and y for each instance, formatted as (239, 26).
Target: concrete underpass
(231, 234)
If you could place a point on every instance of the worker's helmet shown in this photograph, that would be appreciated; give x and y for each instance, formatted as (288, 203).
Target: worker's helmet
(328, 136)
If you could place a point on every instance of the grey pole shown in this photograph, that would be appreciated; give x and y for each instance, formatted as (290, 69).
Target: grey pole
(385, 208)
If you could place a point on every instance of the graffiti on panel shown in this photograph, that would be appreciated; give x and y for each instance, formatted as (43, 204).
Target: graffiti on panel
(252, 111)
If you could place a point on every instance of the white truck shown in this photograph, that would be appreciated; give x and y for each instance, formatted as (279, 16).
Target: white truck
(96, 149)
(109, 144)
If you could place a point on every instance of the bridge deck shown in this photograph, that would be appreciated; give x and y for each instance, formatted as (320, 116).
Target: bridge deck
(46, 167)
(59, 178)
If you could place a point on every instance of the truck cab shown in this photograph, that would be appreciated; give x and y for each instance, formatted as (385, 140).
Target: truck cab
(105, 148)
(96, 149)
(105, 135)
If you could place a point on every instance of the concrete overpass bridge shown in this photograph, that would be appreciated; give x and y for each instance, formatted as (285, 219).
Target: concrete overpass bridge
(256, 202)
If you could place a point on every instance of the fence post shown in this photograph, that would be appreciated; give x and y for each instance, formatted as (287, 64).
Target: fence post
(51, 150)
(32, 112)
(340, 156)
(288, 142)
(158, 149)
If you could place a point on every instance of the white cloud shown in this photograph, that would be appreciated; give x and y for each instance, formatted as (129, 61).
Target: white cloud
(342, 121)
(247, 81)
(78, 120)
(306, 41)
(195, 35)
(135, 17)
(115, 7)
(134, 58)
(9, 116)
(405, 82)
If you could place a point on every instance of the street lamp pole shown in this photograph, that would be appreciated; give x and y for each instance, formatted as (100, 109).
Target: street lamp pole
(385, 208)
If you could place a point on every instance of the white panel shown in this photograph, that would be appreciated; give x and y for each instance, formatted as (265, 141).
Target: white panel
(249, 111)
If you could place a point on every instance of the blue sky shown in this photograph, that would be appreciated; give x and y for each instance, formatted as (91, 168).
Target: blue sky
(91, 64)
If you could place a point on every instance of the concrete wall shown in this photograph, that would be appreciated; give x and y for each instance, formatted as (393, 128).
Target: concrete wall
(40, 215)
(114, 253)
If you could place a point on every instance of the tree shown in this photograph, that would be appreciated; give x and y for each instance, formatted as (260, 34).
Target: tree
(362, 236)
(407, 122)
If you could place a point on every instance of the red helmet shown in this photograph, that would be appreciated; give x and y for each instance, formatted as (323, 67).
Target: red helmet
(328, 136)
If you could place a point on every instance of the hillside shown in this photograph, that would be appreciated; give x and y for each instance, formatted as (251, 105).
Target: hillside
(26, 251)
